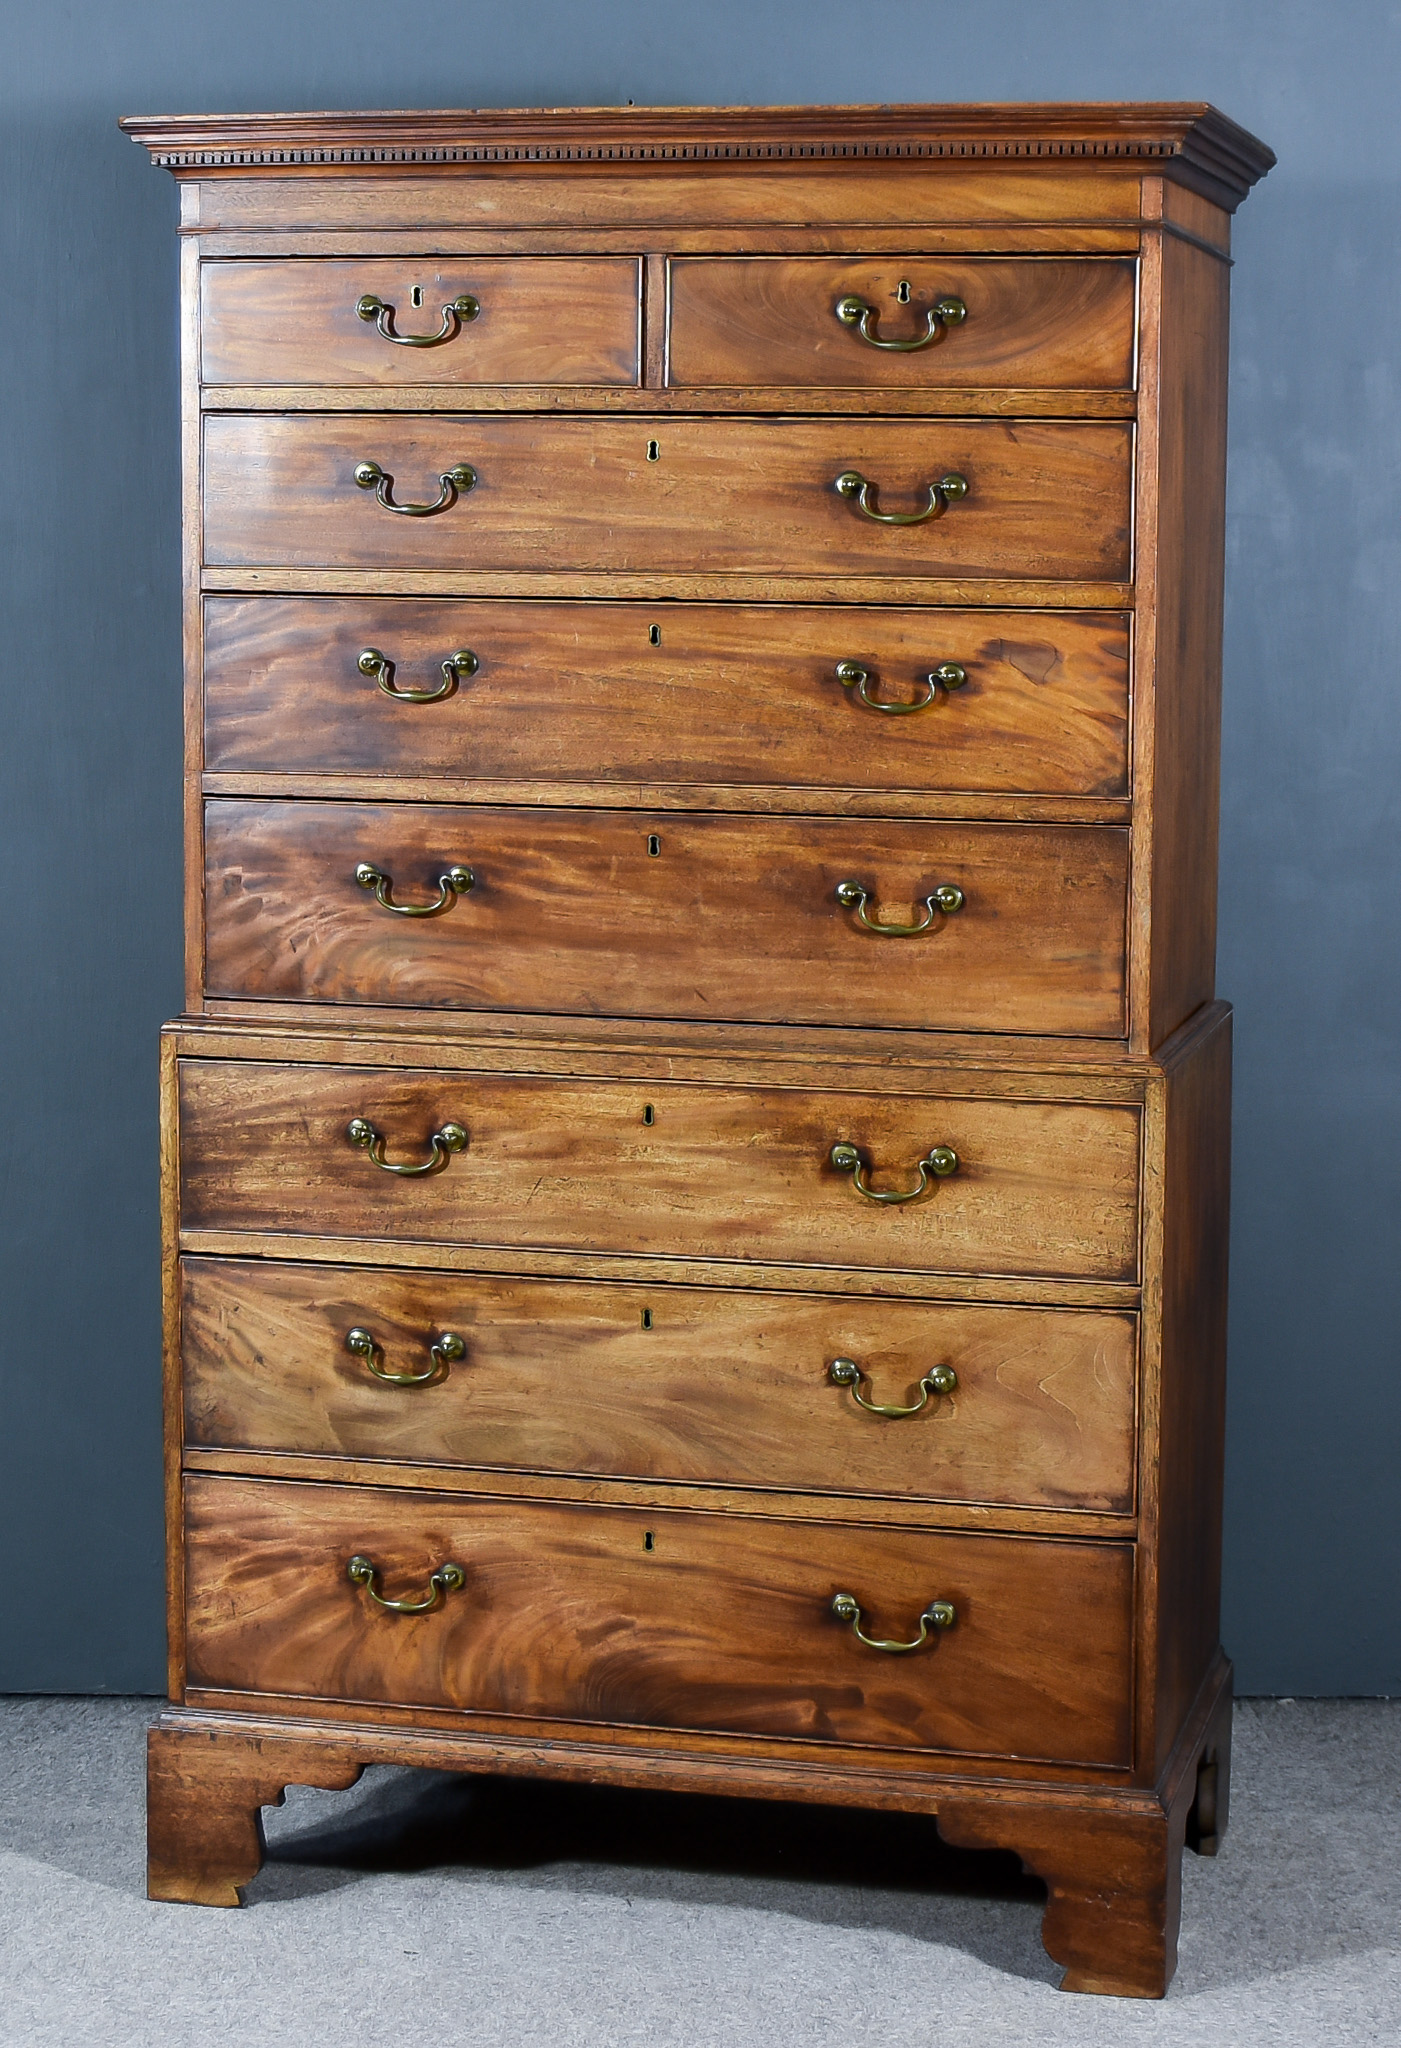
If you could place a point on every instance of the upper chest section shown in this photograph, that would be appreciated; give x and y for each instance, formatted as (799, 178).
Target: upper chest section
(902, 259)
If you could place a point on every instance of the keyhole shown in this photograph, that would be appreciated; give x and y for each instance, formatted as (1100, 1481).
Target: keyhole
(416, 295)
(654, 845)
(649, 1115)
(654, 451)
(646, 1319)
(902, 291)
(654, 634)
(649, 1541)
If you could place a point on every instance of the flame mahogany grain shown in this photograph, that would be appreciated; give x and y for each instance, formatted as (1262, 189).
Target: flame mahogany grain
(542, 321)
(735, 1174)
(769, 320)
(700, 1384)
(754, 498)
(745, 695)
(723, 1622)
(670, 915)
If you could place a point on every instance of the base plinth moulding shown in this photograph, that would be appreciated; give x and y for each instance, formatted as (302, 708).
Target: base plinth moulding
(1110, 1859)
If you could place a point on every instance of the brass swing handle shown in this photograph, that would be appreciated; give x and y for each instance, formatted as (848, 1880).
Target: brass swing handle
(937, 1164)
(451, 484)
(851, 484)
(371, 662)
(845, 1372)
(452, 883)
(443, 1351)
(448, 1578)
(946, 900)
(949, 675)
(938, 1614)
(457, 311)
(856, 314)
(443, 1143)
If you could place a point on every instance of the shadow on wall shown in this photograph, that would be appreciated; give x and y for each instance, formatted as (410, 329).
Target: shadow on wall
(1310, 940)
(89, 911)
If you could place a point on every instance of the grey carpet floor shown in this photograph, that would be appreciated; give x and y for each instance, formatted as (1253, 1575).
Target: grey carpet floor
(420, 1909)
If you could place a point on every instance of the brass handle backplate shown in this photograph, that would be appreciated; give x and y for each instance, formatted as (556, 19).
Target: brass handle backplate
(448, 1578)
(939, 1614)
(946, 900)
(845, 1372)
(862, 318)
(444, 1351)
(463, 308)
(443, 1143)
(937, 1164)
(452, 483)
(371, 662)
(949, 675)
(452, 883)
(855, 487)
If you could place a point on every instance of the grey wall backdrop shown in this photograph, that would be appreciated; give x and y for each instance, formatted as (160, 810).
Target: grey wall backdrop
(89, 719)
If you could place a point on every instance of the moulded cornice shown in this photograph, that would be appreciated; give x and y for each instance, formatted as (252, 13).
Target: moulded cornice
(1190, 142)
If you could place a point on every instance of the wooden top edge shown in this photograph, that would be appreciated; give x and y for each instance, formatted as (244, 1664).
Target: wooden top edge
(1190, 137)
(762, 1045)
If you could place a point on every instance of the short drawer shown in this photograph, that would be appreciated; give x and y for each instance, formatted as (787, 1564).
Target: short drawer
(1012, 1406)
(662, 1169)
(667, 495)
(667, 914)
(410, 320)
(659, 1618)
(876, 321)
(730, 695)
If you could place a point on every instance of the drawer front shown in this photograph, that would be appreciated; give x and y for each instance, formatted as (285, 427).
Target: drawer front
(667, 914)
(767, 320)
(695, 694)
(749, 497)
(661, 1619)
(539, 320)
(675, 1383)
(721, 1173)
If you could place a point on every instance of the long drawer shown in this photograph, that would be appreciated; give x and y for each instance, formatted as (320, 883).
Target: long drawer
(667, 495)
(1014, 1406)
(372, 320)
(844, 321)
(659, 1618)
(662, 1169)
(552, 691)
(669, 914)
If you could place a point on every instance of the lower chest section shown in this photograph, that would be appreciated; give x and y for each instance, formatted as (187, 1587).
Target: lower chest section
(657, 1408)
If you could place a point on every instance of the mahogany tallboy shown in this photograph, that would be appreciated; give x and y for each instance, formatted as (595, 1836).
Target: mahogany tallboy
(696, 1155)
